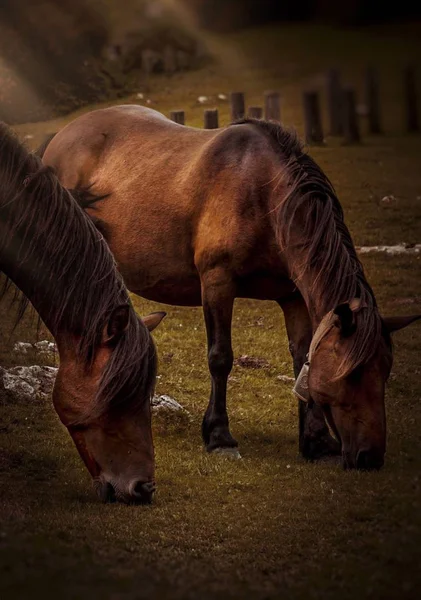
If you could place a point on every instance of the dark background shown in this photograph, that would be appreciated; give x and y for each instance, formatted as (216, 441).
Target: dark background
(55, 54)
(223, 14)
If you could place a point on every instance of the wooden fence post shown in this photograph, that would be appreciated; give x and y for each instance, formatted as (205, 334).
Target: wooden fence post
(334, 102)
(211, 119)
(177, 116)
(372, 101)
(312, 118)
(411, 100)
(255, 112)
(272, 106)
(350, 120)
(238, 107)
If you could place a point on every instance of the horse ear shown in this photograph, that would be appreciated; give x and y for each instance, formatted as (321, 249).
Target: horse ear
(346, 321)
(395, 323)
(357, 304)
(153, 320)
(117, 324)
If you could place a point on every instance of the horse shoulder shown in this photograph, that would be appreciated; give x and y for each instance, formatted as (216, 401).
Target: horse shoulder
(233, 181)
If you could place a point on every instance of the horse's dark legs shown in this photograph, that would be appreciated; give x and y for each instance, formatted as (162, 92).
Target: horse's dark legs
(218, 300)
(314, 438)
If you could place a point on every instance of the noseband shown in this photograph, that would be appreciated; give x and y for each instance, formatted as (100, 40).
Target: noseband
(300, 388)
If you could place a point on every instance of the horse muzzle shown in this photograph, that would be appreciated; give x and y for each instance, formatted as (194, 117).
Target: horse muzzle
(365, 460)
(137, 492)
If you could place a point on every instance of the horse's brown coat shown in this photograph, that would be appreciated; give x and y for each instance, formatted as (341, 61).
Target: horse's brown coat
(52, 252)
(202, 217)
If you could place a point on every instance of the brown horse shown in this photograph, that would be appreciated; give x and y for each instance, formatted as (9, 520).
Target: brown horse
(56, 257)
(202, 217)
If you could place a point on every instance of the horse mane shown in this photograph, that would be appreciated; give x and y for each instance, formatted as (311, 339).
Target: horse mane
(324, 246)
(69, 274)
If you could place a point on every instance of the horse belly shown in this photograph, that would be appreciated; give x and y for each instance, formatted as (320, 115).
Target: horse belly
(160, 278)
(184, 291)
(265, 286)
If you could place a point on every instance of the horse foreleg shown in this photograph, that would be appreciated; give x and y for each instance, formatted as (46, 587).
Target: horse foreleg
(315, 440)
(218, 299)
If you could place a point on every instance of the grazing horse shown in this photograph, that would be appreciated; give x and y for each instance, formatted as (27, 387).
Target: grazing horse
(201, 217)
(52, 252)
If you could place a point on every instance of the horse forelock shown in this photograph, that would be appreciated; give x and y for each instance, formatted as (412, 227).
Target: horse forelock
(323, 253)
(70, 273)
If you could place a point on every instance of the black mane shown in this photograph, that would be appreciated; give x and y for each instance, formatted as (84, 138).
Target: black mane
(324, 246)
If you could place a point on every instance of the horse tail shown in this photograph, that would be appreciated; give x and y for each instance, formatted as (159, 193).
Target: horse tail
(40, 151)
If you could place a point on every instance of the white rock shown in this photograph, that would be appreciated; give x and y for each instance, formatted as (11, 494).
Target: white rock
(222, 97)
(43, 347)
(29, 383)
(18, 387)
(164, 402)
(202, 99)
(140, 96)
(394, 250)
(22, 347)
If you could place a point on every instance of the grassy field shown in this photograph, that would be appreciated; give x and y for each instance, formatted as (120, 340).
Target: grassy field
(270, 525)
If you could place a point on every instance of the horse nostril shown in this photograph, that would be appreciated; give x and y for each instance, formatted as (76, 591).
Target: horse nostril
(106, 492)
(143, 491)
(369, 460)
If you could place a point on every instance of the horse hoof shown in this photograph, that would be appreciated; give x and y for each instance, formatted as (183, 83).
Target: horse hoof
(231, 453)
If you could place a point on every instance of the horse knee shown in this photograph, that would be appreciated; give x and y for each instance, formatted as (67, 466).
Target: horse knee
(220, 361)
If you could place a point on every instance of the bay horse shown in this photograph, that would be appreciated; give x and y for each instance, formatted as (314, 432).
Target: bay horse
(52, 252)
(201, 217)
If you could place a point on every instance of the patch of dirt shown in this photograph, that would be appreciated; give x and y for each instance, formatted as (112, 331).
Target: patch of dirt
(251, 362)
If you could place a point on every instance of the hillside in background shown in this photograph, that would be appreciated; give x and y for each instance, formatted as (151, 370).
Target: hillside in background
(56, 55)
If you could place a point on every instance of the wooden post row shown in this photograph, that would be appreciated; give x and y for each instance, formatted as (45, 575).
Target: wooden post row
(238, 106)
(272, 106)
(211, 120)
(334, 102)
(411, 100)
(350, 120)
(372, 100)
(177, 116)
(312, 118)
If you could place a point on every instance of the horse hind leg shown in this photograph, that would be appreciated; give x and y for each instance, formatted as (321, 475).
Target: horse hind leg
(315, 440)
(218, 293)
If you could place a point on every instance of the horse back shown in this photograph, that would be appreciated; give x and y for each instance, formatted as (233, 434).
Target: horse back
(177, 199)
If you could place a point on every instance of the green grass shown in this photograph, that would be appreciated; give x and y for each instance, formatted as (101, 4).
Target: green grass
(271, 525)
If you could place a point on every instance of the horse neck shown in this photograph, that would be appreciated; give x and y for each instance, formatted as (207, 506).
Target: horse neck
(58, 261)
